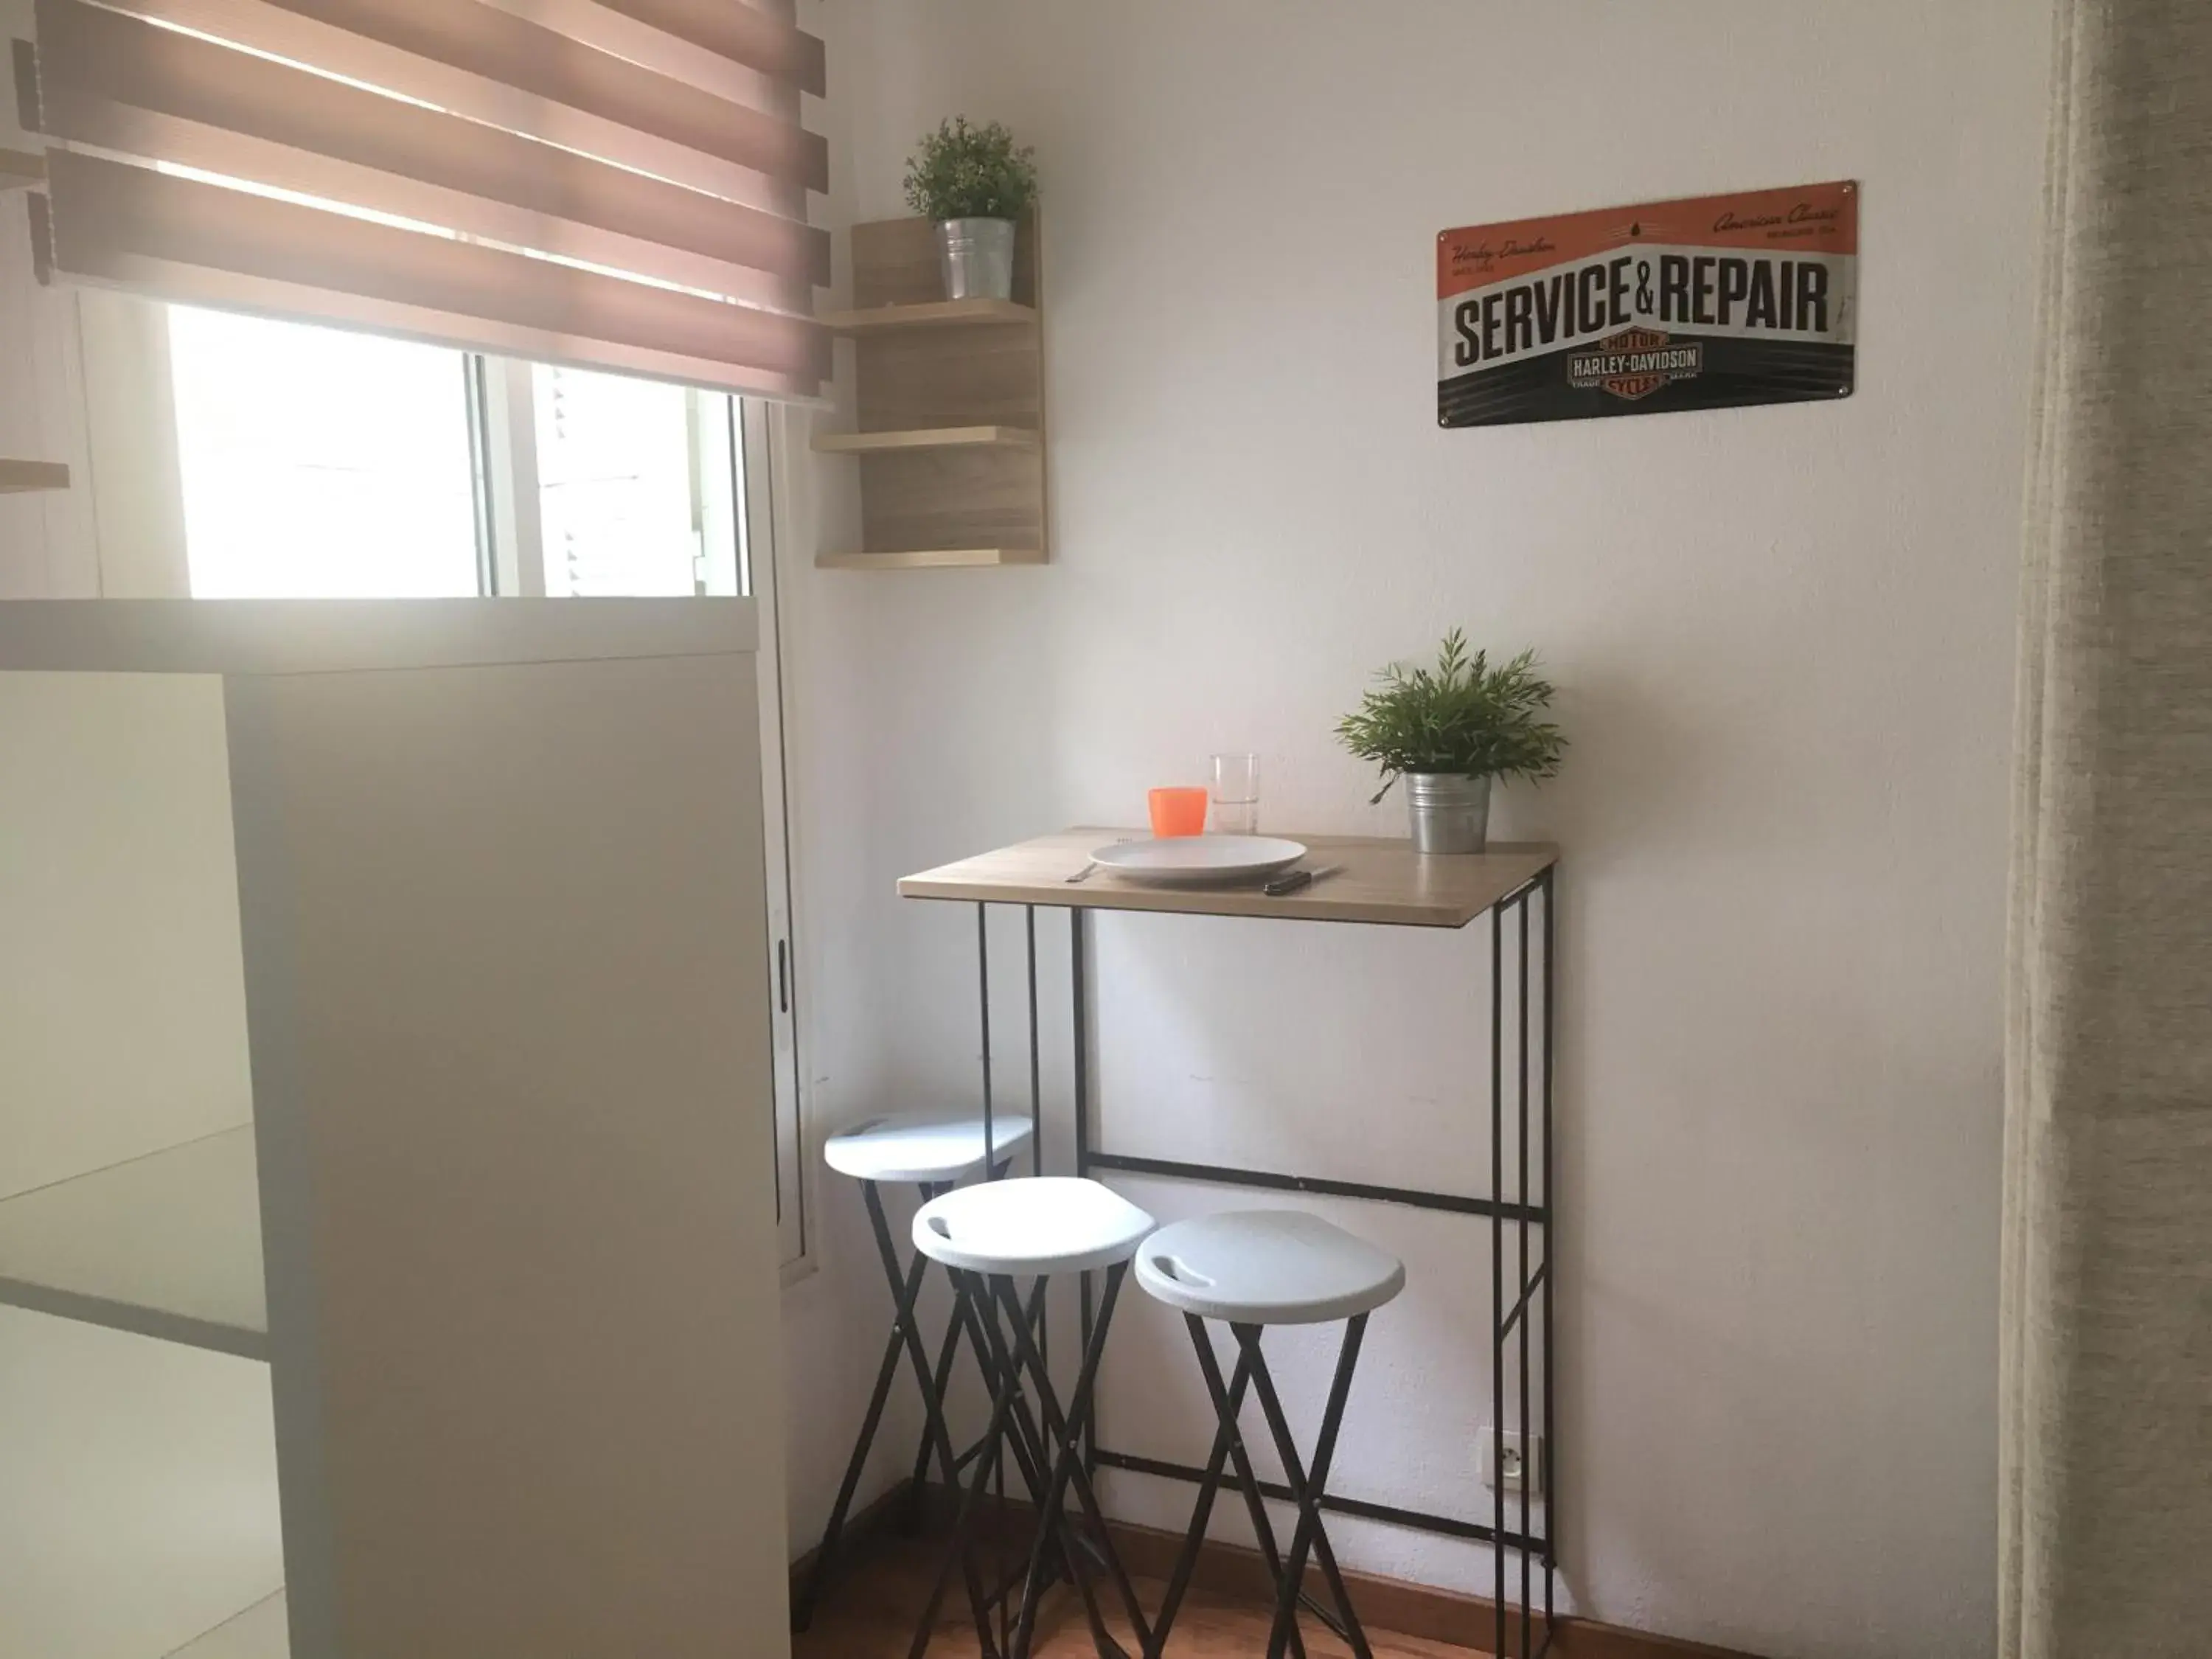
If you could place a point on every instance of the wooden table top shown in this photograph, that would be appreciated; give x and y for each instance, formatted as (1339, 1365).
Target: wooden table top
(1382, 881)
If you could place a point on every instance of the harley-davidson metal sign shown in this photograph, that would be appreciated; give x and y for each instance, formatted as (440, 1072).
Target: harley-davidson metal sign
(1703, 303)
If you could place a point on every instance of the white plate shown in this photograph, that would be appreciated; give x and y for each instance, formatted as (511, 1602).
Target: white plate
(1199, 860)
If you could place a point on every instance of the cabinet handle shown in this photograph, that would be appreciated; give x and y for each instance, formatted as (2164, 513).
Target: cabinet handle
(783, 976)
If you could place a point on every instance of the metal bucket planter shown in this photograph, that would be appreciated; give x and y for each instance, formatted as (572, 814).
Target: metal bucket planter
(978, 257)
(1450, 814)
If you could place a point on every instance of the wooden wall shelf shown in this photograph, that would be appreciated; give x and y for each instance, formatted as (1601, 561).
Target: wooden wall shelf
(17, 477)
(929, 314)
(939, 437)
(949, 409)
(932, 558)
(20, 169)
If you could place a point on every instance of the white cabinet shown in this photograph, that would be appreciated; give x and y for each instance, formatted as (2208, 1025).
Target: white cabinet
(388, 1265)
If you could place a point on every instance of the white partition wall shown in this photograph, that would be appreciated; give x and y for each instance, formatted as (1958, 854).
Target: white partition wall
(476, 887)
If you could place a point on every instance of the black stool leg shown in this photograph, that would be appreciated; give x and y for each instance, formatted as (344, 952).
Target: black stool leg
(1307, 1491)
(1079, 1475)
(906, 1290)
(1008, 1427)
(1225, 1406)
(1067, 1432)
(945, 1355)
(933, 1425)
(1071, 1551)
(1005, 1384)
(971, 1306)
(1255, 1503)
(1028, 1443)
(946, 1352)
(1228, 1443)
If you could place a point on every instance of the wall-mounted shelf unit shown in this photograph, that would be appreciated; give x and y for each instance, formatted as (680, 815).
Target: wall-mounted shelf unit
(949, 408)
(21, 169)
(18, 477)
(328, 1091)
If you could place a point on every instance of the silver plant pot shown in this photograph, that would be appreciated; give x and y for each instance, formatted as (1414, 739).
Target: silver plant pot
(978, 257)
(1450, 814)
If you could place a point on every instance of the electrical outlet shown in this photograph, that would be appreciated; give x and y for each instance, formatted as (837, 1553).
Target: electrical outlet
(1508, 1468)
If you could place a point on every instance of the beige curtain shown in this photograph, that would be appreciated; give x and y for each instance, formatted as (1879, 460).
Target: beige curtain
(2107, 1365)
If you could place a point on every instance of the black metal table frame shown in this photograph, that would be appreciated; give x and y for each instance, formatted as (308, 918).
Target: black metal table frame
(1533, 1297)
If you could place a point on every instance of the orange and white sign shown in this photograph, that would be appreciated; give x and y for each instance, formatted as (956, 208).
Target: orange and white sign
(1701, 303)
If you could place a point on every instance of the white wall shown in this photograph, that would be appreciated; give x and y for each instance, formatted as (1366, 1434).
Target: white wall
(1783, 637)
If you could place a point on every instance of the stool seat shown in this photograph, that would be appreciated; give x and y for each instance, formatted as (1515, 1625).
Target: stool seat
(921, 1148)
(1268, 1267)
(1030, 1224)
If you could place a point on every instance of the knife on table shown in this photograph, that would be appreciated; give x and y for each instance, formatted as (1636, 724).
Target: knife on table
(1282, 886)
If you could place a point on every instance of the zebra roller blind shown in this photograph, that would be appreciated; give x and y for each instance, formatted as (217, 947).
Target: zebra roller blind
(613, 184)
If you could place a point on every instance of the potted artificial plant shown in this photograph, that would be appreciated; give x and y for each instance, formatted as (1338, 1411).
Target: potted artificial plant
(1448, 731)
(975, 184)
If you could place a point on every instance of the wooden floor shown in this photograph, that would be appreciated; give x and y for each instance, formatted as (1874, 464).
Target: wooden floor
(869, 1613)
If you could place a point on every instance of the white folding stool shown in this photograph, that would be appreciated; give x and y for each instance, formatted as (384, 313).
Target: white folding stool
(988, 1235)
(933, 1154)
(1250, 1269)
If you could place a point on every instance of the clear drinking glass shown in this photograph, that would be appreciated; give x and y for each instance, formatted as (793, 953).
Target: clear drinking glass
(1236, 794)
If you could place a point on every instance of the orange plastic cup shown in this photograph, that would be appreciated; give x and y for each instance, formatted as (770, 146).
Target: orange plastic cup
(1178, 812)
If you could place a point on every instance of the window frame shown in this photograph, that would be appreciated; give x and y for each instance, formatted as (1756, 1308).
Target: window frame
(757, 434)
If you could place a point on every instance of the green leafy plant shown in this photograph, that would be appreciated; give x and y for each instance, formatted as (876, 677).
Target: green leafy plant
(1463, 717)
(962, 172)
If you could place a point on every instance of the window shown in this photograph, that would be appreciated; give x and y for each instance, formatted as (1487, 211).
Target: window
(630, 498)
(319, 464)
